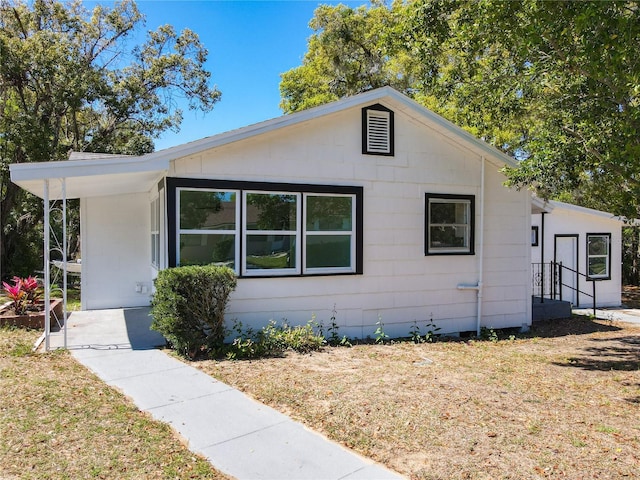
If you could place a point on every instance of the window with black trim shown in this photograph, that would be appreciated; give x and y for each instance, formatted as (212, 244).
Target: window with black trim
(330, 232)
(207, 222)
(449, 224)
(155, 232)
(599, 256)
(534, 236)
(270, 232)
(262, 229)
(377, 130)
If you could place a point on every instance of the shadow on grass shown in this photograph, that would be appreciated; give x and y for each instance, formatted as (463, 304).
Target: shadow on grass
(575, 325)
(620, 354)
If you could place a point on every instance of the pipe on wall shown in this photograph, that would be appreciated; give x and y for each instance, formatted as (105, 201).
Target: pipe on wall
(480, 248)
(480, 239)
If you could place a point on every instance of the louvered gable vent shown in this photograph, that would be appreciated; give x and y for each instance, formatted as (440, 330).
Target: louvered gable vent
(377, 124)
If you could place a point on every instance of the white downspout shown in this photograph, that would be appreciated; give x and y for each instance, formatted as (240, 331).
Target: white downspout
(480, 249)
(480, 239)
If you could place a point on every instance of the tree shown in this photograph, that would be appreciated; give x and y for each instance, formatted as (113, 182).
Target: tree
(67, 82)
(581, 76)
(555, 84)
(347, 54)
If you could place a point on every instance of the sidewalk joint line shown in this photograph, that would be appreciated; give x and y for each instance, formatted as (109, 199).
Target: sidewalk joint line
(178, 402)
(250, 433)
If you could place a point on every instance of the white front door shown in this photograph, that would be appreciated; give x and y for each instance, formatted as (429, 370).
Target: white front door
(566, 252)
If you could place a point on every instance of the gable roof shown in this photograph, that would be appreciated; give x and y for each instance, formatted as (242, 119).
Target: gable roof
(96, 174)
(539, 205)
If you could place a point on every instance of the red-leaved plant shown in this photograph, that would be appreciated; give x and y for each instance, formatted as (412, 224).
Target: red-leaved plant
(17, 296)
(23, 294)
(30, 287)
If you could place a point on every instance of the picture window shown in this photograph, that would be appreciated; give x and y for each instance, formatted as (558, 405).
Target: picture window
(259, 229)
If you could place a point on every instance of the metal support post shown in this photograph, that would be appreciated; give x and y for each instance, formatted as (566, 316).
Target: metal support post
(47, 272)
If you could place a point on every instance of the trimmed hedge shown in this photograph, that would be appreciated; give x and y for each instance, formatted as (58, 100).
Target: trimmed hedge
(189, 304)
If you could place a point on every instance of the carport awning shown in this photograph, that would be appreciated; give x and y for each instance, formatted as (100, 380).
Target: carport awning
(114, 175)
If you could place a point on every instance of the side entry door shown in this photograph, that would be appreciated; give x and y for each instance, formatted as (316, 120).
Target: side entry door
(566, 252)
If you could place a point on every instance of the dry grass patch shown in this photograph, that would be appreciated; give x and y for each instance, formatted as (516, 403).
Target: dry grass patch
(57, 420)
(562, 403)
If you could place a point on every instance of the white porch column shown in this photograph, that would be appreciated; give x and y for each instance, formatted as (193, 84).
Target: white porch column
(64, 259)
(62, 249)
(47, 267)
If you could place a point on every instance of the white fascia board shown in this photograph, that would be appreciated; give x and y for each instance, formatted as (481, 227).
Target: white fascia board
(267, 126)
(159, 161)
(452, 130)
(92, 186)
(395, 98)
(84, 168)
(548, 206)
(586, 211)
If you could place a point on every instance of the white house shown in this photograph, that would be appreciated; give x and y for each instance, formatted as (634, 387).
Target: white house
(373, 205)
(588, 244)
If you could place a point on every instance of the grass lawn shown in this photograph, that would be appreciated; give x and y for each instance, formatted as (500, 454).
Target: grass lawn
(58, 421)
(562, 402)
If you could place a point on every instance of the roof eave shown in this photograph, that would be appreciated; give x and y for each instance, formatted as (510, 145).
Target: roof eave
(83, 168)
(361, 99)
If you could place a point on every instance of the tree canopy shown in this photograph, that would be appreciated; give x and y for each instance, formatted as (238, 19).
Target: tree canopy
(555, 84)
(71, 80)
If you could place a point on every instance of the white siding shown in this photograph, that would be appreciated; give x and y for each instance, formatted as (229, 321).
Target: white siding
(400, 284)
(569, 221)
(116, 249)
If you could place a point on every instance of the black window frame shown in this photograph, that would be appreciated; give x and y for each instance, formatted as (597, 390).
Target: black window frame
(365, 130)
(534, 236)
(174, 183)
(472, 223)
(155, 233)
(599, 278)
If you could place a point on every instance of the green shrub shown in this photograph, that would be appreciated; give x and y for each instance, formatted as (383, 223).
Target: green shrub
(189, 304)
(272, 340)
(301, 338)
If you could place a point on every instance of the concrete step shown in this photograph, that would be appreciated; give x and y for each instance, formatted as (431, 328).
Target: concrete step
(549, 309)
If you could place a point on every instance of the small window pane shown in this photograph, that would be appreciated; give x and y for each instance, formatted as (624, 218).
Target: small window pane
(155, 250)
(270, 251)
(202, 249)
(270, 212)
(598, 246)
(155, 232)
(204, 210)
(450, 212)
(598, 267)
(328, 251)
(329, 214)
(155, 214)
(598, 253)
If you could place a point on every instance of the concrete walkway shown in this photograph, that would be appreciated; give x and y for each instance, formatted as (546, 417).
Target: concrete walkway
(239, 436)
(618, 314)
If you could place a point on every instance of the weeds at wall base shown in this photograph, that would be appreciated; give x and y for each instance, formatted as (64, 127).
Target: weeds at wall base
(275, 339)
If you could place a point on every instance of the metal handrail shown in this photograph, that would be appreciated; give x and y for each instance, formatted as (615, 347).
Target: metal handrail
(555, 285)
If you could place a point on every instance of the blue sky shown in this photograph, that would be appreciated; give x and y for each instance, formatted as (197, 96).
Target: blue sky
(250, 44)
